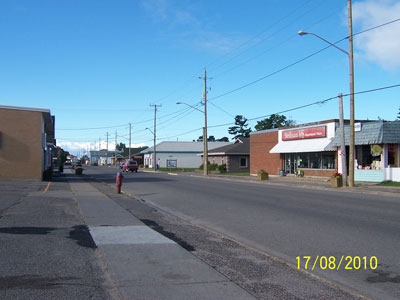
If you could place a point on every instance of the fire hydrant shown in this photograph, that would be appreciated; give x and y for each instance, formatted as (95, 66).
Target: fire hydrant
(119, 182)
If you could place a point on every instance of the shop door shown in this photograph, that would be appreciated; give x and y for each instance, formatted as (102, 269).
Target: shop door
(290, 163)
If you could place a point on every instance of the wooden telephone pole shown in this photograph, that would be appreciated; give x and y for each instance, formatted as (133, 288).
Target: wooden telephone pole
(155, 135)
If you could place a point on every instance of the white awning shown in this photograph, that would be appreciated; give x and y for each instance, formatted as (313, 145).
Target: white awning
(307, 145)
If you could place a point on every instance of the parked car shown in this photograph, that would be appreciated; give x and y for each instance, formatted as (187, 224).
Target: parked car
(130, 165)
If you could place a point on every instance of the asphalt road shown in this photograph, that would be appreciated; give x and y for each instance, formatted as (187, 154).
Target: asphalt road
(287, 222)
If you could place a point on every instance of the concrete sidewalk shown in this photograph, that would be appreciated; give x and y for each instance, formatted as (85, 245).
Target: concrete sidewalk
(142, 263)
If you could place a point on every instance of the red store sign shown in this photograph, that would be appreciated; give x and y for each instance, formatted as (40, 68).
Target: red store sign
(306, 133)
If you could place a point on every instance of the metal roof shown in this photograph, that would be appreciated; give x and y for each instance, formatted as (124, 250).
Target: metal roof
(240, 147)
(381, 132)
(188, 147)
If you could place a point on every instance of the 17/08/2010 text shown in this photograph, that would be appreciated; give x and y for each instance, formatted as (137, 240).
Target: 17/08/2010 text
(333, 263)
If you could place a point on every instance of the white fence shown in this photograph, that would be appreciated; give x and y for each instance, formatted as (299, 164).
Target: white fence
(392, 174)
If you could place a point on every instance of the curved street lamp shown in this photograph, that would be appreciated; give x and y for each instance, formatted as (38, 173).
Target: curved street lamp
(351, 73)
(154, 149)
(205, 140)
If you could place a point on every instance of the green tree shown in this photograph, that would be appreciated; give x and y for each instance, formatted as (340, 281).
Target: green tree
(211, 138)
(223, 139)
(120, 147)
(240, 129)
(274, 121)
(398, 114)
(63, 155)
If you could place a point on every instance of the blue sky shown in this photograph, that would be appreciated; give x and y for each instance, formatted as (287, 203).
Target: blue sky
(100, 64)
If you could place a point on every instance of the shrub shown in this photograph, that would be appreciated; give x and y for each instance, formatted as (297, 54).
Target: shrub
(262, 175)
(47, 174)
(222, 168)
(211, 167)
(79, 171)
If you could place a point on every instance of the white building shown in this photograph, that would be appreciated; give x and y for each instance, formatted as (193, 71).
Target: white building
(178, 154)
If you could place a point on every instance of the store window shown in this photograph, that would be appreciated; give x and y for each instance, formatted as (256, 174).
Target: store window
(328, 160)
(303, 160)
(315, 161)
(243, 162)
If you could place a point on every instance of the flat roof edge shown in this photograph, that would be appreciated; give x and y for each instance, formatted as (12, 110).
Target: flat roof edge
(25, 108)
(263, 131)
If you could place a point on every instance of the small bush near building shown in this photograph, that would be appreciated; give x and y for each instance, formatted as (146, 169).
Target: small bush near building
(211, 167)
(262, 175)
(47, 174)
(222, 168)
(78, 171)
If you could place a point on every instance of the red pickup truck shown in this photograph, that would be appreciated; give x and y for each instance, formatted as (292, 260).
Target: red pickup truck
(130, 165)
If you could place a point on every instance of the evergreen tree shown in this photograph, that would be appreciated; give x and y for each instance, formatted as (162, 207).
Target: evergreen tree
(120, 147)
(240, 129)
(223, 139)
(274, 121)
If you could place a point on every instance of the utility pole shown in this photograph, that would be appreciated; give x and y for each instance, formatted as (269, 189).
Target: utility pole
(351, 63)
(155, 135)
(115, 149)
(130, 136)
(205, 140)
(107, 149)
(342, 143)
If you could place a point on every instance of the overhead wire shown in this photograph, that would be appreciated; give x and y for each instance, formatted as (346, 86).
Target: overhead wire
(295, 63)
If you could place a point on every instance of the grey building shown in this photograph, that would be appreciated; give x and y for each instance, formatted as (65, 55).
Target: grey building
(178, 154)
(236, 156)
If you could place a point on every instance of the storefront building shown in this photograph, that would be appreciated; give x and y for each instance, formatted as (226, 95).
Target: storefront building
(312, 149)
(308, 148)
(377, 152)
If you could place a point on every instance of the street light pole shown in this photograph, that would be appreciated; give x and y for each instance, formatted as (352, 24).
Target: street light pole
(205, 141)
(351, 73)
(154, 148)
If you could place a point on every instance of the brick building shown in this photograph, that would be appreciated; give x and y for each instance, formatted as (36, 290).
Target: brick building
(306, 147)
(261, 142)
(27, 142)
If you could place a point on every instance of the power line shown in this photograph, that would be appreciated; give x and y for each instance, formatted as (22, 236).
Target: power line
(311, 104)
(221, 109)
(297, 62)
(372, 28)
(254, 37)
(281, 112)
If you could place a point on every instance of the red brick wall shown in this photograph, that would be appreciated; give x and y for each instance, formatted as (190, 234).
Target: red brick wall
(260, 158)
(318, 172)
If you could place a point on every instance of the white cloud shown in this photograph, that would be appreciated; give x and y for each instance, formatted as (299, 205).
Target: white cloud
(83, 147)
(381, 45)
(184, 27)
